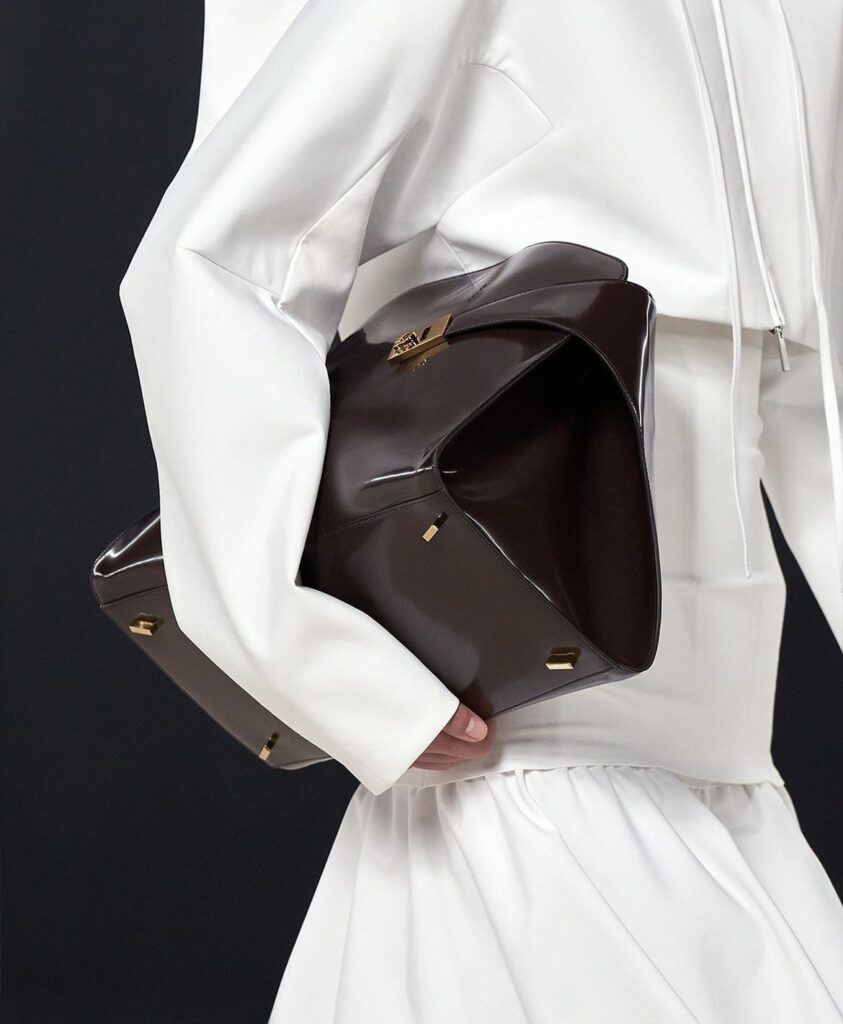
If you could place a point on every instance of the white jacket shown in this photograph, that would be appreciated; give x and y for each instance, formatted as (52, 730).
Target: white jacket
(346, 151)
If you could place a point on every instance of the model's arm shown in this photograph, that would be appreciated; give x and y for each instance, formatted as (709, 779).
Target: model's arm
(238, 36)
(232, 299)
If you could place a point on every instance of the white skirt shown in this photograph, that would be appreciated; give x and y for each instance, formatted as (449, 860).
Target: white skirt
(587, 894)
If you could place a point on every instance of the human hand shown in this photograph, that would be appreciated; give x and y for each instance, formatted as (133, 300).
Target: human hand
(465, 736)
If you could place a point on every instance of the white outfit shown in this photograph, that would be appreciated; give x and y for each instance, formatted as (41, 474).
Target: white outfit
(627, 852)
(588, 895)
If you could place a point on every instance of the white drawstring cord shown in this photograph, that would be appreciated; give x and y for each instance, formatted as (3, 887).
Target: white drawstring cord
(832, 413)
(743, 161)
(716, 155)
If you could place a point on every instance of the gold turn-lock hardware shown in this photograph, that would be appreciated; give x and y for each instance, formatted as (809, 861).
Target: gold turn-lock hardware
(433, 529)
(421, 339)
(266, 749)
(422, 359)
(145, 625)
(563, 657)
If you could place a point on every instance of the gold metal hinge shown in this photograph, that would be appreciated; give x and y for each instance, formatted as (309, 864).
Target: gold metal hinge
(420, 339)
(433, 529)
(266, 749)
(563, 657)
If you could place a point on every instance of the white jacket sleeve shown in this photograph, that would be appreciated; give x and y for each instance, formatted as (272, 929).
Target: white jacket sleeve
(796, 472)
(238, 37)
(232, 299)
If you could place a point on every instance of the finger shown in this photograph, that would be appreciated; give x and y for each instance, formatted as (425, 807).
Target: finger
(444, 744)
(466, 725)
(451, 758)
(437, 761)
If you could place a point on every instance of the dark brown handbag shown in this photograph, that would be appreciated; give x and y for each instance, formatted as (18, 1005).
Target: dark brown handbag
(485, 494)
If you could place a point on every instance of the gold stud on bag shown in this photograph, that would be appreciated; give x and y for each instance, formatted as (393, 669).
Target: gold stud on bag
(562, 657)
(145, 625)
(266, 749)
(520, 458)
(433, 529)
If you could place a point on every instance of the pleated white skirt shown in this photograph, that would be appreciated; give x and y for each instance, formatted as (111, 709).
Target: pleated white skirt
(585, 894)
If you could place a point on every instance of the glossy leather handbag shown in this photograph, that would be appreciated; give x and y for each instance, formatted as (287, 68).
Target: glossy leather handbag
(485, 494)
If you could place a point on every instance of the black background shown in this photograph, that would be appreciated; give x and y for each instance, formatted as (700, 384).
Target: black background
(153, 870)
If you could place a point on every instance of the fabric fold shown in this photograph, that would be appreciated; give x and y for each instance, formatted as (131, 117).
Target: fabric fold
(715, 144)
(591, 894)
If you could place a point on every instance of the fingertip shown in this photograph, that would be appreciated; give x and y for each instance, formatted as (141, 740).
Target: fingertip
(476, 728)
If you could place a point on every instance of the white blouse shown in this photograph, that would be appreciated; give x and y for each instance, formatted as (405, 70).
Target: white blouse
(345, 152)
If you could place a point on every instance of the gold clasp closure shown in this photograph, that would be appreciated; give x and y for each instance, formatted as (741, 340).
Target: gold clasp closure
(421, 339)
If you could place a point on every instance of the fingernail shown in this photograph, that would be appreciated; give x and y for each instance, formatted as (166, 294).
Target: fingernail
(476, 729)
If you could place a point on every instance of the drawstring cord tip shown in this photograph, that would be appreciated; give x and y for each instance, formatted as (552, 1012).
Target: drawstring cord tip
(778, 330)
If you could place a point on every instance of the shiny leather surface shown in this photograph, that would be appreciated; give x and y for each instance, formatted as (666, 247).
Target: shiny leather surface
(531, 430)
(132, 562)
(128, 579)
(207, 685)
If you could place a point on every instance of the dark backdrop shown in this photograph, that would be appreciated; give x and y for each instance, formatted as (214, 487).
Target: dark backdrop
(153, 870)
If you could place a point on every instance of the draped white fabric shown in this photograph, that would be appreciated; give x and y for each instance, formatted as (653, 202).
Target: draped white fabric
(344, 152)
(625, 853)
(586, 895)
